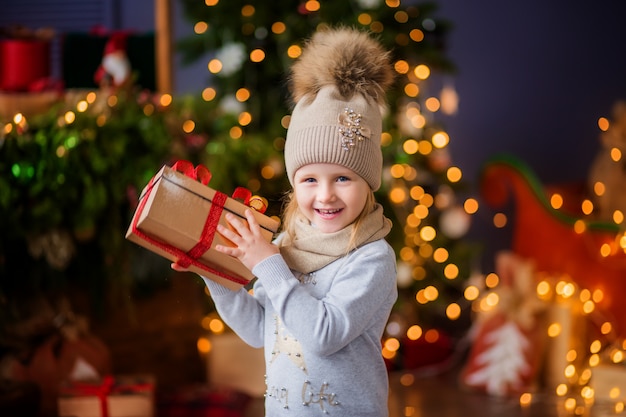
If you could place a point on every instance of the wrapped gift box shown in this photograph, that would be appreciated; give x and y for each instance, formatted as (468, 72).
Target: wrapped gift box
(122, 396)
(177, 216)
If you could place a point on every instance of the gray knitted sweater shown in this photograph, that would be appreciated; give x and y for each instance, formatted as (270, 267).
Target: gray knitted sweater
(321, 332)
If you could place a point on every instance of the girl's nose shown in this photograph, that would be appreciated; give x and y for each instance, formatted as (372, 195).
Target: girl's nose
(325, 193)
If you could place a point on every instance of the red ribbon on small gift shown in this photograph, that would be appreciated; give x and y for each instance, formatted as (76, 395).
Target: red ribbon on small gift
(103, 389)
(185, 259)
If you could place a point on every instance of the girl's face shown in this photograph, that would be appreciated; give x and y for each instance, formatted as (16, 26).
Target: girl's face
(330, 196)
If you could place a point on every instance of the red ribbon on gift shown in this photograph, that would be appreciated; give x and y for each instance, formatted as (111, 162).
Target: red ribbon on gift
(185, 259)
(103, 389)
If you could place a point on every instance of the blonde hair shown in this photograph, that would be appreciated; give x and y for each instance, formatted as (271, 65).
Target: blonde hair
(291, 210)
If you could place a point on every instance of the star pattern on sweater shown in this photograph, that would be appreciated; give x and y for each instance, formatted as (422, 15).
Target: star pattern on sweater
(287, 345)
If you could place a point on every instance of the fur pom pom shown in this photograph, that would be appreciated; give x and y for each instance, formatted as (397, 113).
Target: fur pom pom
(346, 58)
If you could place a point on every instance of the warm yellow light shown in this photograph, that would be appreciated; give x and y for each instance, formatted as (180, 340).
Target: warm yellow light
(208, 94)
(200, 27)
(217, 326)
(440, 255)
(525, 399)
(410, 146)
(425, 146)
(401, 66)
(388, 354)
(364, 19)
(416, 35)
(619, 407)
(599, 188)
(554, 329)
(571, 355)
(451, 271)
(561, 390)
(189, 126)
(588, 307)
(278, 28)
(595, 346)
(214, 66)
(616, 154)
(594, 360)
(492, 299)
(618, 217)
(211, 2)
(587, 206)
(603, 124)
(570, 371)
(294, 51)
(392, 344)
(614, 393)
(235, 132)
(397, 195)
(432, 104)
(204, 345)
(453, 311)
(416, 192)
(606, 328)
(420, 211)
(431, 293)
(422, 72)
(69, 117)
(440, 140)
(242, 95)
(618, 356)
(491, 280)
(543, 288)
(605, 250)
(411, 90)
(428, 233)
(556, 201)
(82, 105)
(471, 293)
(587, 393)
(454, 174)
(470, 206)
(580, 227)
(257, 55)
(570, 404)
(312, 5)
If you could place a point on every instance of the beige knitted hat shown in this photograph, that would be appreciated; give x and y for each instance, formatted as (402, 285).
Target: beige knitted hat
(338, 85)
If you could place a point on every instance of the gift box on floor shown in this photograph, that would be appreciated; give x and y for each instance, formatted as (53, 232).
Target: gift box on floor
(177, 217)
(121, 396)
(202, 401)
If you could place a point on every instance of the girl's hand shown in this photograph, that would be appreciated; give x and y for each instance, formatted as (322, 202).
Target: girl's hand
(250, 245)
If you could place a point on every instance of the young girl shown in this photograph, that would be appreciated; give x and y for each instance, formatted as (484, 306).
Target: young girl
(326, 286)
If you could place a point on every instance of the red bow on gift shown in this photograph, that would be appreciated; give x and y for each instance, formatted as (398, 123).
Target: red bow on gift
(103, 389)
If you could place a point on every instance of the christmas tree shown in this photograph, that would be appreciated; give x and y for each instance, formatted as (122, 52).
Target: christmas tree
(249, 50)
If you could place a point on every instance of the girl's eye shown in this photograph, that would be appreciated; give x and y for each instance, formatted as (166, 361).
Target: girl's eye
(308, 180)
(342, 179)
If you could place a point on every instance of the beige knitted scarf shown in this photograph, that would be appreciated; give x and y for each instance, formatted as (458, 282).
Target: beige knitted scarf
(311, 249)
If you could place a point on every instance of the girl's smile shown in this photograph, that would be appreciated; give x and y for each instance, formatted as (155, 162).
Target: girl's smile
(330, 196)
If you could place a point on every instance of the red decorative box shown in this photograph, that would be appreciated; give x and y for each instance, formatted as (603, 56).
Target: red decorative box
(22, 62)
(177, 216)
(123, 396)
